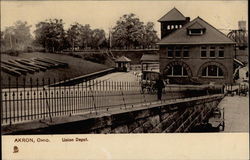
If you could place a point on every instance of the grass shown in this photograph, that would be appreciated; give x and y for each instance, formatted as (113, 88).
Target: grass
(77, 67)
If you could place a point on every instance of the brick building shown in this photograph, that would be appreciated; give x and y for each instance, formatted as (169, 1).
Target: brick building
(194, 51)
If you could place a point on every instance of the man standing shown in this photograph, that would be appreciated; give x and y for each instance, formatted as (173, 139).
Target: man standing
(159, 86)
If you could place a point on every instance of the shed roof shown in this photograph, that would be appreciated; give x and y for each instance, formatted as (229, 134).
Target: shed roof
(123, 59)
(211, 36)
(238, 62)
(173, 15)
(150, 57)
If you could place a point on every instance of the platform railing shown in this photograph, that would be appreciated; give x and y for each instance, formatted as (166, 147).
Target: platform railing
(37, 100)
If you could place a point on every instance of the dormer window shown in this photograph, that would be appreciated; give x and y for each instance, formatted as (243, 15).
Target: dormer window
(195, 32)
(196, 29)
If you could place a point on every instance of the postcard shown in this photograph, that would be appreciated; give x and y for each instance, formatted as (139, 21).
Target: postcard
(124, 80)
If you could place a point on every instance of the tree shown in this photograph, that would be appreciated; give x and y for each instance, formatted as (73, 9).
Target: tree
(74, 35)
(16, 37)
(98, 38)
(50, 34)
(128, 31)
(2, 38)
(150, 37)
(86, 34)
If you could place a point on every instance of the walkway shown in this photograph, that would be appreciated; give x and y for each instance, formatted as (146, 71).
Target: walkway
(236, 113)
(120, 76)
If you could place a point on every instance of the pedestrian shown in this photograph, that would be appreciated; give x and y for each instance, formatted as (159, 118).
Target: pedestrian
(223, 88)
(159, 86)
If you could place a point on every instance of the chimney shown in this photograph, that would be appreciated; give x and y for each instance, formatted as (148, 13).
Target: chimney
(187, 19)
(242, 25)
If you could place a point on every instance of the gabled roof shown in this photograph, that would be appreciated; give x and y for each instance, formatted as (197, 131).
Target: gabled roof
(196, 25)
(123, 59)
(150, 57)
(173, 15)
(211, 36)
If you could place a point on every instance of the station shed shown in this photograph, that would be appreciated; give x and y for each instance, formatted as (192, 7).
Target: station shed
(150, 62)
(123, 64)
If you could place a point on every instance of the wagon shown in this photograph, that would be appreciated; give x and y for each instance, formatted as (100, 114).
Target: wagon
(148, 81)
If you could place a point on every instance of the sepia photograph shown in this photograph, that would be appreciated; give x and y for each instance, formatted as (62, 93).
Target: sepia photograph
(123, 68)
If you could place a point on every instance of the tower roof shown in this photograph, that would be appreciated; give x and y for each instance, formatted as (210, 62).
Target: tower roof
(173, 15)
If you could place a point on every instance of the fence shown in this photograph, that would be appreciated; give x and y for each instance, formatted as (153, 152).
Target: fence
(37, 101)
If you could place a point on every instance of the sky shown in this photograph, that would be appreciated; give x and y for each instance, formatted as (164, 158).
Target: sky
(104, 14)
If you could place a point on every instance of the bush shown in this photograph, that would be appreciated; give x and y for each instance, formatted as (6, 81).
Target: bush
(30, 49)
(12, 52)
(75, 55)
(97, 58)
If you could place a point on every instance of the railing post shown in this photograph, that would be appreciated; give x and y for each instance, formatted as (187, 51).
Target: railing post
(31, 99)
(43, 99)
(38, 98)
(2, 100)
(64, 98)
(9, 83)
(93, 98)
(73, 99)
(17, 100)
(6, 107)
(55, 97)
(123, 98)
(60, 98)
(24, 101)
(46, 98)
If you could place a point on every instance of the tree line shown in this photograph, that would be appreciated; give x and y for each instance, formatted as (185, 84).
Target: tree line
(128, 32)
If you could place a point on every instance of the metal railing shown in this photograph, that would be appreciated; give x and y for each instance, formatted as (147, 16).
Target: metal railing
(38, 101)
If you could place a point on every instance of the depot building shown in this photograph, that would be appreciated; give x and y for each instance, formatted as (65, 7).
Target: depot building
(194, 51)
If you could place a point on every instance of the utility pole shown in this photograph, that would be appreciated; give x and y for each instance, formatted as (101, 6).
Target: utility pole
(110, 38)
(11, 46)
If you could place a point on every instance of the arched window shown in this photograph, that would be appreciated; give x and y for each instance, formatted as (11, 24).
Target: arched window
(168, 27)
(177, 71)
(212, 71)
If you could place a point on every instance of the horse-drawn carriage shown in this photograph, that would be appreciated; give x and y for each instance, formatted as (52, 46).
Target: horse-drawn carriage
(148, 81)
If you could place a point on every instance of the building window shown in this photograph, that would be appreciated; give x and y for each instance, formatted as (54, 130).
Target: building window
(170, 52)
(212, 71)
(203, 51)
(221, 52)
(168, 27)
(178, 52)
(178, 71)
(212, 52)
(185, 52)
(180, 26)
